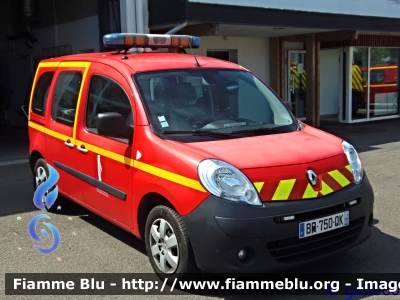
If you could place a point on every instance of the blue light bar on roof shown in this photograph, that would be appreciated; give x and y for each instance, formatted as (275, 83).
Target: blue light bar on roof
(128, 40)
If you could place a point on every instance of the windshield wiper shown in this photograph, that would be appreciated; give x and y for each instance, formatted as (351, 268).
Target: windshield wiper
(200, 132)
(261, 130)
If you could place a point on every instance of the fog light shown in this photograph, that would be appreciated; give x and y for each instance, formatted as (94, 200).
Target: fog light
(288, 218)
(242, 255)
(352, 202)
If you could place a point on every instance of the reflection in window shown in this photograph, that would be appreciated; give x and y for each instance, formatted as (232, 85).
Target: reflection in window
(41, 92)
(383, 82)
(66, 97)
(382, 85)
(106, 95)
(359, 78)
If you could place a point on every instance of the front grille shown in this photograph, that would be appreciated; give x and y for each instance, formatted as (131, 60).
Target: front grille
(314, 214)
(294, 250)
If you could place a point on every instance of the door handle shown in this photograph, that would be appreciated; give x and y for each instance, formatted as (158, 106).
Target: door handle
(69, 144)
(291, 84)
(82, 149)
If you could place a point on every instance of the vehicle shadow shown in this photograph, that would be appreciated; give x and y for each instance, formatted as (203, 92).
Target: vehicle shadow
(73, 209)
(365, 136)
(377, 255)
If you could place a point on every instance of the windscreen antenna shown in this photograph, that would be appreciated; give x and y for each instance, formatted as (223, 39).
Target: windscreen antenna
(194, 55)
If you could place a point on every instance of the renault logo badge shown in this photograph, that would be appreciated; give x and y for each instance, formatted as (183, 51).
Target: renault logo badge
(312, 177)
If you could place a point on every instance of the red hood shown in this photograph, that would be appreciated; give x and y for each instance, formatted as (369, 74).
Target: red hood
(273, 150)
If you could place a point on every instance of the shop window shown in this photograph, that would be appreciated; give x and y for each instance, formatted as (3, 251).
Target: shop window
(375, 77)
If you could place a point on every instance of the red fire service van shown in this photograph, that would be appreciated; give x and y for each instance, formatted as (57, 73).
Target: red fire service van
(196, 156)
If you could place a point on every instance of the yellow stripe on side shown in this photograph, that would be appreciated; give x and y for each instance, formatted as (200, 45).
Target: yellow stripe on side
(258, 185)
(145, 167)
(348, 167)
(284, 189)
(326, 189)
(339, 177)
(114, 156)
(49, 64)
(74, 64)
(194, 184)
(58, 135)
(310, 192)
(36, 126)
(383, 85)
(387, 67)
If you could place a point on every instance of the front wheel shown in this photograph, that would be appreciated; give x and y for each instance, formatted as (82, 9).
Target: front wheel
(168, 245)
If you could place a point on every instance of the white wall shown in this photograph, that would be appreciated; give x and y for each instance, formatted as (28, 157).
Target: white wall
(378, 8)
(253, 53)
(330, 81)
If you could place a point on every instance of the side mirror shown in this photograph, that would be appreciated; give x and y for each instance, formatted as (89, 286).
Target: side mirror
(114, 125)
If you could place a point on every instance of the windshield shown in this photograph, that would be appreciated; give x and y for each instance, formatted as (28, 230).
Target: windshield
(203, 104)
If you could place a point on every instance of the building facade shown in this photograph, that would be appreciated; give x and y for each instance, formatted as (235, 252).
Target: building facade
(334, 59)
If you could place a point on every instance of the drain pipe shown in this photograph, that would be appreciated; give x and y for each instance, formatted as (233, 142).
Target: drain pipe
(177, 28)
(139, 16)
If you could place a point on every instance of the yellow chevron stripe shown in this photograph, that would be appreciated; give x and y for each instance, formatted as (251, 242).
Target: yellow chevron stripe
(339, 177)
(258, 185)
(348, 167)
(326, 189)
(310, 192)
(284, 189)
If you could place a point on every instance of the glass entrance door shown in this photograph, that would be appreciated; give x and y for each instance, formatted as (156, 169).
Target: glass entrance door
(296, 82)
(375, 83)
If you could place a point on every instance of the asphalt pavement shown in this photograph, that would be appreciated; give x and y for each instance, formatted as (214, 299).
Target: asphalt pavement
(93, 245)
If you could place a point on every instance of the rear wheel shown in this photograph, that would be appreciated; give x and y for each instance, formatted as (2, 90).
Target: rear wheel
(168, 245)
(41, 174)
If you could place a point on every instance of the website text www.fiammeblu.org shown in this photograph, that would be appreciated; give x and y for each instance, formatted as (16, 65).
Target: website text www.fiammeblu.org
(142, 284)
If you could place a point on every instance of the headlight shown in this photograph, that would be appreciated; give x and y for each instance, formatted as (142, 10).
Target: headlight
(354, 162)
(227, 182)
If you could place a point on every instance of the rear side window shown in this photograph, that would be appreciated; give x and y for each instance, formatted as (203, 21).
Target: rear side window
(41, 92)
(105, 95)
(66, 97)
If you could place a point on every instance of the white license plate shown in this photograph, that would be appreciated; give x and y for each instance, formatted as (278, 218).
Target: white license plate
(324, 224)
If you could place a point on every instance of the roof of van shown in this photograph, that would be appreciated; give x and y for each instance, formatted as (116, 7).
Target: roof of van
(149, 61)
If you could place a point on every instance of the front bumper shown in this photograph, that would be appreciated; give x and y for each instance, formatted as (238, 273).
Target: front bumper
(219, 229)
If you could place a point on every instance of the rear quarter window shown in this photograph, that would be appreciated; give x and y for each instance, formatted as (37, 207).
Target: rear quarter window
(41, 92)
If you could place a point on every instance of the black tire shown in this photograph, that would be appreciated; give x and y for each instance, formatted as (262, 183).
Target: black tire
(40, 167)
(186, 264)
